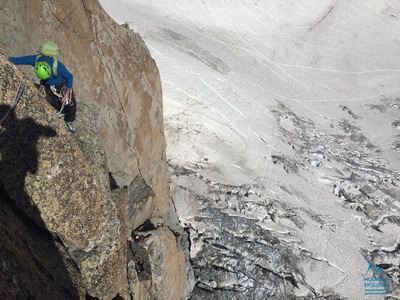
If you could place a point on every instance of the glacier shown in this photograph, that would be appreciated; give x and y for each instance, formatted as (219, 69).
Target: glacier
(283, 129)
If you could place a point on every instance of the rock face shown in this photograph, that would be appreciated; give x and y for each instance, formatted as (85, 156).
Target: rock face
(72, 205)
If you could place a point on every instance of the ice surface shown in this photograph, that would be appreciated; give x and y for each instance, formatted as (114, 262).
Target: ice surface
(296, 102)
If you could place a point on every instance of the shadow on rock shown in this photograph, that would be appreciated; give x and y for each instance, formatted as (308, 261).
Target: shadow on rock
(31, 263)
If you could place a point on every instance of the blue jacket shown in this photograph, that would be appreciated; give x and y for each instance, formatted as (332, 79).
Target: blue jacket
(63, 75)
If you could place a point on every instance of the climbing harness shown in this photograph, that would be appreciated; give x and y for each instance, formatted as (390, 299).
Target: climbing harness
(21, 91)
(60, 94)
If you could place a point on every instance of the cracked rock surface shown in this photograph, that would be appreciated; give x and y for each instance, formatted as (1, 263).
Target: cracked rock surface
(89, 191)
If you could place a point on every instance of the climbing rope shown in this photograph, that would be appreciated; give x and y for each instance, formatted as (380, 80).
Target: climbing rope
(21, 91)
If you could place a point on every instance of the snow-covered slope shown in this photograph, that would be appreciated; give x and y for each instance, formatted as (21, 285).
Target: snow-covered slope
(283, 131)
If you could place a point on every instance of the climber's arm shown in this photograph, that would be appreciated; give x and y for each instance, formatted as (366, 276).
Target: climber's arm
(66, 74)
(23, 60)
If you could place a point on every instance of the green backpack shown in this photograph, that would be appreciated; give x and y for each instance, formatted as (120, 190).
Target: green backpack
(50, 49)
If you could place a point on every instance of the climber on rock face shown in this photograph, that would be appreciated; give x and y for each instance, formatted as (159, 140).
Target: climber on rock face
(55, 80)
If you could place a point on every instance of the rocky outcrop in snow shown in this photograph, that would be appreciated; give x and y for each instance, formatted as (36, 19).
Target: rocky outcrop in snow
(260, 240)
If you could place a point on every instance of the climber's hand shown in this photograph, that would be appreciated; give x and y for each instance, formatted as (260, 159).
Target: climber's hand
(42, 90)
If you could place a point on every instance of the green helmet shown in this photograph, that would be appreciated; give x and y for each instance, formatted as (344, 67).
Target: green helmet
(42, 70)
